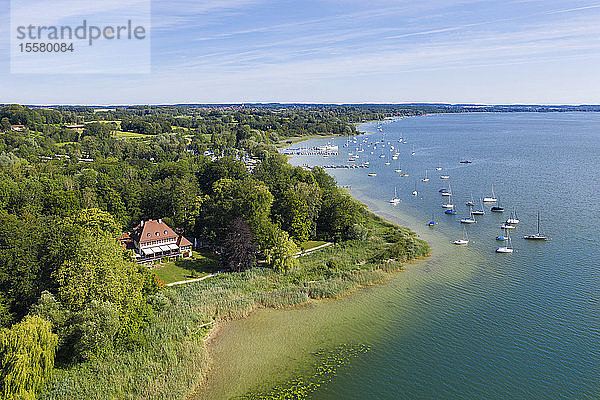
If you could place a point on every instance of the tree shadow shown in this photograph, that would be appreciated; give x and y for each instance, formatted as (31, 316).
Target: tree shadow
(209, 264)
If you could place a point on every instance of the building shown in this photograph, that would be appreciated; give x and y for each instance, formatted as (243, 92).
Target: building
(154, 240)
(17, 128)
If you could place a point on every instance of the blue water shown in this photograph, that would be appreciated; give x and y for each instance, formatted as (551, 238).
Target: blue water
(514, 326)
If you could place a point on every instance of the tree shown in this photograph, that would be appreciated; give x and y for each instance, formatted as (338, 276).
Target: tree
(278, 248)
(339, 213)
(246, 198)
(97, 129)
(27, 353)
(281, 255)
(22, 275)
(94, 329)
(97, 269)
(239, 250)
(292, 214)
(5, 125)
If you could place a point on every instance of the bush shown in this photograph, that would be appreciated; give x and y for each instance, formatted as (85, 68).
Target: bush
(95, 329)
(357, 232)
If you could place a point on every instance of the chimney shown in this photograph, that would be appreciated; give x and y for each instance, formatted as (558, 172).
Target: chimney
(160, 221)
(142, 224)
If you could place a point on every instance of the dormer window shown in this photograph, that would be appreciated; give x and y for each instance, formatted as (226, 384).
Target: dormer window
(165, 231)
(149, 234)
(157, 233)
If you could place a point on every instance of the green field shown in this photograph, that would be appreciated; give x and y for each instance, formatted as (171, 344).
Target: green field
(198, 266)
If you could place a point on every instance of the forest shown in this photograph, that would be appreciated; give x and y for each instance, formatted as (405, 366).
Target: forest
(71, 296)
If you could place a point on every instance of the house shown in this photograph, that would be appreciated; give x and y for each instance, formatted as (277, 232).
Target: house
(75, 126)
(154, 240)
(17, 128)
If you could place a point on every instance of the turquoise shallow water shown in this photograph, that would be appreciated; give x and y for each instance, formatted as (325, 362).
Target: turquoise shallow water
(471, 323)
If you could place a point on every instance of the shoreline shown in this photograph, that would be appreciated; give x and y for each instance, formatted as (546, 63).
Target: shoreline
(219, 326)
(283, 144)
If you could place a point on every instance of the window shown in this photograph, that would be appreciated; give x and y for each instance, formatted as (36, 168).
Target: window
(157, 233)
(165, 231)
(148, 234)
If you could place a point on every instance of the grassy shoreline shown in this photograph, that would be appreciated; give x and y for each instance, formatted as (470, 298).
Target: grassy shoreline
(172, 358)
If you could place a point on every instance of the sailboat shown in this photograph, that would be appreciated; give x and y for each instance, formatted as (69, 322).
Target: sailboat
(415, 193)
(479, 212)
(491, 199)
(538, 235)
(513, 220)
(395, 199)
(413, 151)
(426, 179)
(468, 220)
(464, 240)
(447, 193)
(470, 202)
(449, 204)
(508, 248)
(497, 208)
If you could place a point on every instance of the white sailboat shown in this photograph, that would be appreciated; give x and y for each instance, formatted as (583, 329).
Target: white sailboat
(464, 240)
(448, 205)
(426, 179)
(395, 199)
(415, 193)
(470, 203)
(539, 235)
(447, 193)
(508, 248)
(513, 220)
(491, 199)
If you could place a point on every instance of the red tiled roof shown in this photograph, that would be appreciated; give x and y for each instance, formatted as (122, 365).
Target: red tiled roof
(158, 230)
(155, 230)
(183, 241)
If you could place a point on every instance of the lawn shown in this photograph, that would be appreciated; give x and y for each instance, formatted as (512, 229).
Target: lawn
(198, 266)
(311, 244)
(130, 135)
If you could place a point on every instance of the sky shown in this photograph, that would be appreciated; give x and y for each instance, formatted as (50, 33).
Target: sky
(342, 51)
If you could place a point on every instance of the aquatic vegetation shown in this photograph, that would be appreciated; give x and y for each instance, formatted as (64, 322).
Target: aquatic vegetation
(327, 365)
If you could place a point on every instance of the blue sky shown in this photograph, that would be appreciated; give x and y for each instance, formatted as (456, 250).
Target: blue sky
(345, 51)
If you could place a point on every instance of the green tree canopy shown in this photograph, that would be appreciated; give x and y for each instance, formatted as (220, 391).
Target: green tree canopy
(26, 358)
